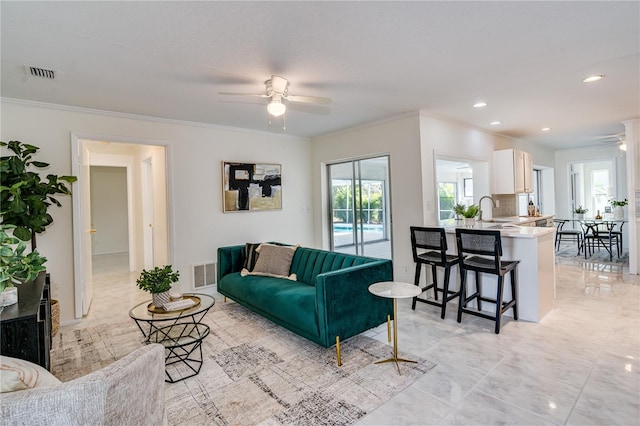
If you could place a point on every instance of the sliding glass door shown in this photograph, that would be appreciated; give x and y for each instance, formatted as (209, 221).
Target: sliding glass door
(359, 207)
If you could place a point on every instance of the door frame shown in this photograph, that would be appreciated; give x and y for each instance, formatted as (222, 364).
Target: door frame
(76, 156)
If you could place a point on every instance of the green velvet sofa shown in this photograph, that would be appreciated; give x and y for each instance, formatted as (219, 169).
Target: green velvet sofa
(329, 301)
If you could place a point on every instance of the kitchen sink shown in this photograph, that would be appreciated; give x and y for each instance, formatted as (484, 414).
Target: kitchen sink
(499, 220)
(505, 226)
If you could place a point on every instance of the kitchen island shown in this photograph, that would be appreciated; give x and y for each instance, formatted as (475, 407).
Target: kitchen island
(534, 247)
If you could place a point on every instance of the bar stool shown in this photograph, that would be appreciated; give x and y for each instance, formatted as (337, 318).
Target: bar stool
(480, 251)
(434, 241)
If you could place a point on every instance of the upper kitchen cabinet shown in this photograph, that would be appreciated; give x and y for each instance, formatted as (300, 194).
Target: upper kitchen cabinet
(512, 172)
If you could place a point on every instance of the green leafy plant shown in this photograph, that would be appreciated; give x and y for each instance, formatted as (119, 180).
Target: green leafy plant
(459, 209)
(580, 210)
(616, 203)
(471, 211)
(15, 266)
(24, 196)
(157, 280)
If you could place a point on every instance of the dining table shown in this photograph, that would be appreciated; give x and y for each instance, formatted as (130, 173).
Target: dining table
(601, 232)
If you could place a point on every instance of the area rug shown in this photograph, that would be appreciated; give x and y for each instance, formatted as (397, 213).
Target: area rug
(254, 372)
(568, 252)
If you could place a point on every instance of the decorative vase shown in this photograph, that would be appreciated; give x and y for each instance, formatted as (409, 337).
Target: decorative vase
(469, 221)
(9, 296)
(160, 299)
(618, 213)
(580, 216)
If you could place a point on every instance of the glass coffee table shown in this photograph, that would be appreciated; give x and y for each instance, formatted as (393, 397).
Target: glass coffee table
(180, 332)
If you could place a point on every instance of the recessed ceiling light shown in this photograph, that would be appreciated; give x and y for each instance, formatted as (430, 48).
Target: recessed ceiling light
(495, 123)
(480, 104)
(592, 78)
(546, 129)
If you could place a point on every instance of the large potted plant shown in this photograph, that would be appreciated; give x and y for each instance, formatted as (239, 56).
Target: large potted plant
(24, 196)
(16, 267)
(158, 281)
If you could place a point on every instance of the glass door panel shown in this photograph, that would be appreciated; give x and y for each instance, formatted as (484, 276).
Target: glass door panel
(359, 205)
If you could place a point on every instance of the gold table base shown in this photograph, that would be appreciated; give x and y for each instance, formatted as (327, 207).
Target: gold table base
(395, 358)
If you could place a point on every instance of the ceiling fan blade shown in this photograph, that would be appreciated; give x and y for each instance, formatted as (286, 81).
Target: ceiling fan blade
(242, 94)
(309, 108)
(308, 99)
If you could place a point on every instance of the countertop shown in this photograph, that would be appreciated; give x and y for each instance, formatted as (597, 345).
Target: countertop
(508, 226)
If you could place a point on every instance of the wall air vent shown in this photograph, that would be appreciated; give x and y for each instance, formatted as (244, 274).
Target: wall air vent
(204, 275)
(40, 72)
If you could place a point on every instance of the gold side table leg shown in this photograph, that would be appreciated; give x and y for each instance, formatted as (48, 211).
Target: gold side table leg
(395, 341)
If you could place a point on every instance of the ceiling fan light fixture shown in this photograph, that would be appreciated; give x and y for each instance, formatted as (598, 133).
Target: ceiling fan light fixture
(276, 108)
(592, 78)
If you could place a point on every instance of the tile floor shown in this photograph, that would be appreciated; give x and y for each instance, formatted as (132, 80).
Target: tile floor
(579, 366)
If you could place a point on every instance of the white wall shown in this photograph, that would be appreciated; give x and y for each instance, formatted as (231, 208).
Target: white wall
(412, 142)
(109, 210)
(399, 138)
(444, 138)
(563, 158)
(195, 153)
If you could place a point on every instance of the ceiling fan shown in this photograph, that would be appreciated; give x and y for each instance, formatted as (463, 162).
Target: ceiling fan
(277, 90)
(618, 139)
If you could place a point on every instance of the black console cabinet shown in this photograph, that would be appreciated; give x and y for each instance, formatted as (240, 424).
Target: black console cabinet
(26, 326)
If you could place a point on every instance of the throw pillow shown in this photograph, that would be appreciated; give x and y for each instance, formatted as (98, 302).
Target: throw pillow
(274, 260)
(17, 374)
(250, 256)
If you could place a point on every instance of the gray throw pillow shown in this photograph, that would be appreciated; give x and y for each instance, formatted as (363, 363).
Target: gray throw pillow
(274, 260)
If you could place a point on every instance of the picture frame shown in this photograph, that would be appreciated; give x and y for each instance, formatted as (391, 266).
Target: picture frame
(468, 187)
(250, 187)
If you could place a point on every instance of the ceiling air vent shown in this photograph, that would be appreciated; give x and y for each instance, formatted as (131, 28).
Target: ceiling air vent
(40, 72)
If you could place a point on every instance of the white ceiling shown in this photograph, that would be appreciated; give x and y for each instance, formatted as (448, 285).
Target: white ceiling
(374, 59)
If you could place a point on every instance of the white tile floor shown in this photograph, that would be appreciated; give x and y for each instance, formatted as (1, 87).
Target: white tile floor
(579, 366)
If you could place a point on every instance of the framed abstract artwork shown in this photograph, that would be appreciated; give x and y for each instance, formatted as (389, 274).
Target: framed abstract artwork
(251, 186)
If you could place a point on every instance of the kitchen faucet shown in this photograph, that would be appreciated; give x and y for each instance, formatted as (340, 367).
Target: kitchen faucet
(480, 205)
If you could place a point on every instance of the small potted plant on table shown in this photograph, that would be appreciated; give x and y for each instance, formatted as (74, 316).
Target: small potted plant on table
(618, 211)
(469, 215)
(158, 282)
(459, 209)
(579, 212)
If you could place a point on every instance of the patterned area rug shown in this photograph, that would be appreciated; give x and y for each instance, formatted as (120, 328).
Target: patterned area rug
(569, 252)
(254, 372)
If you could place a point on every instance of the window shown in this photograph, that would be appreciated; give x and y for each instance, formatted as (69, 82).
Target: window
(446, 199)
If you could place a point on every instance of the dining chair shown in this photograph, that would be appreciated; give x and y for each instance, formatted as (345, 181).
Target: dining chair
(568, 234)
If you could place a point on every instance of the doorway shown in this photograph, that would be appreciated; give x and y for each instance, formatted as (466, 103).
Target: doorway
(117, 180)
(360, 206)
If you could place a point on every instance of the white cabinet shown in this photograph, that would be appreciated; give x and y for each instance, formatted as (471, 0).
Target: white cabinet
(512, 172)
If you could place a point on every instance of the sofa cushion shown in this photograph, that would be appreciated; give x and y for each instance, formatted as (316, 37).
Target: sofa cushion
(274, 260)
(308, 263)
(291, 302)
(250, 256)
(17, 374)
